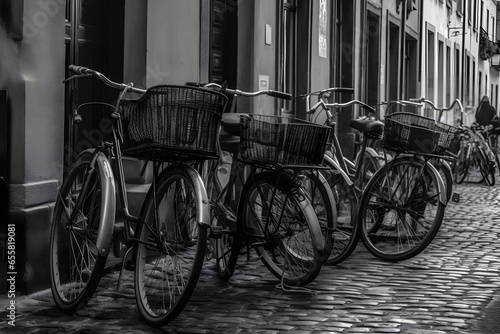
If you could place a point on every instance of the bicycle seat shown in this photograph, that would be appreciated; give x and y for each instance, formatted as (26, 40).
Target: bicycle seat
(230, 138)
(231, 123)
(372, 128)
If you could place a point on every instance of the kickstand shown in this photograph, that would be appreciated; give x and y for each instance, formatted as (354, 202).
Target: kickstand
(124, 264)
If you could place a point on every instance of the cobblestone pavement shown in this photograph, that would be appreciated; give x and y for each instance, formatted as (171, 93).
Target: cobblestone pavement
(452, 287)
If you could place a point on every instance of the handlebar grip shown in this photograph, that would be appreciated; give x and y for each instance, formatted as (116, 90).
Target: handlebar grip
(281, 95)
(417, 99)
(78, 69)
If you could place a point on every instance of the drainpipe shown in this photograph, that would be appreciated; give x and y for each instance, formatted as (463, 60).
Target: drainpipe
(464, 67)
(402, 48)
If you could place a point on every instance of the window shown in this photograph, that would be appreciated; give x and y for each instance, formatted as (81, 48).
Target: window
(460, 6)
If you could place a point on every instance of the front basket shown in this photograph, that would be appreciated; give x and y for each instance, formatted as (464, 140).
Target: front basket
(173, 122)
(273, 140)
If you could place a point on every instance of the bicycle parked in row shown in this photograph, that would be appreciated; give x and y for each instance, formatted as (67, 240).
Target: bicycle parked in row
(475, 155)
(174, 124)
(402, 206)
(443, 165)
(257, 196)
(346, 178)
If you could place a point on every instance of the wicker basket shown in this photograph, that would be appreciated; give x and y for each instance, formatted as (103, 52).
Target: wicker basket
(273, 140)
(410, 132)
(446, 140)
(172, 123)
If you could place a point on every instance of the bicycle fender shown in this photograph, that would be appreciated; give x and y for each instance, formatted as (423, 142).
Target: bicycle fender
(441, 186)
(203, 204)
(338, 169)
(108, 208)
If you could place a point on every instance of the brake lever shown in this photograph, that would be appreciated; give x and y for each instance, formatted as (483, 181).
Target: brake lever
(76, 76)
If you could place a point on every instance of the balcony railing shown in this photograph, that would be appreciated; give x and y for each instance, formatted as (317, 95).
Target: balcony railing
(487, 48)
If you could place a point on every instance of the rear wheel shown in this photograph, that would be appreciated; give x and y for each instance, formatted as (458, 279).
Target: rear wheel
(400, 210)
(171, 248)
(462, 164)
(346, 233)
(76, 265)
(486, 168)
(283, 227)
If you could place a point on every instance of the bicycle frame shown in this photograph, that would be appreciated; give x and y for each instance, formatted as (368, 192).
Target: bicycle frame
(334, 155)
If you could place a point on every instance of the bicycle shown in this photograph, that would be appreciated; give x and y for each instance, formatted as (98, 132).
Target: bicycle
(174, 124)
(473, 154)
(270, 212)
(442, 165)
(492, 136)
(346, 179)
(402, 206)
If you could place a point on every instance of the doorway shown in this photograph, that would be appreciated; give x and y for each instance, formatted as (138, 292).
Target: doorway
(93, 38)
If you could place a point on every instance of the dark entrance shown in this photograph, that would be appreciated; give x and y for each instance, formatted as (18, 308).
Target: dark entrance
(94, 38)
(223, 41)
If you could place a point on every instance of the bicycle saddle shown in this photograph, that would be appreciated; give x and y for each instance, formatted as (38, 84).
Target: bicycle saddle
(372, 128)
(229, 139)
(231, 123)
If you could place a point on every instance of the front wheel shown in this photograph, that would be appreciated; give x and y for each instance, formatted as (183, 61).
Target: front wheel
(171, 247)
(282, 226)
(401, 209)
(76, 265)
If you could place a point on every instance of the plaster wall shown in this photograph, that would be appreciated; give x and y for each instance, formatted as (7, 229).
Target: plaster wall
(31, 59)
(173, 42)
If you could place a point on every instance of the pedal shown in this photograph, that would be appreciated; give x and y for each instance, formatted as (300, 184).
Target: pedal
(216, 232)
(455, 197)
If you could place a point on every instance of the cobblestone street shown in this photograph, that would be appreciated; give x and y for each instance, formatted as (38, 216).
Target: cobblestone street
(452, 287)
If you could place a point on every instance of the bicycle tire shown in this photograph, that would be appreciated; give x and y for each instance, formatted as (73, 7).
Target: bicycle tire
(168, 264)
(295, 226)
(76, 265)
(486, 169)
(462, 165)
(495, 147)
(371, 163)
(400, 210)
(346, 233)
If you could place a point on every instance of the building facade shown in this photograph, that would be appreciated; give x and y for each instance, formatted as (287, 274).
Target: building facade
(384, 49)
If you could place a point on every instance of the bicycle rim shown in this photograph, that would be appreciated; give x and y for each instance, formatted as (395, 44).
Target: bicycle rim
(400, 211)
(76, 266)
(170, 251)
(283, 236)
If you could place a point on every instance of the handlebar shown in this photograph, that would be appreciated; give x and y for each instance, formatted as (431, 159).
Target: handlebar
(273, 93)
(326, 92)
(82, 71)
(424, 100)
(341, 105)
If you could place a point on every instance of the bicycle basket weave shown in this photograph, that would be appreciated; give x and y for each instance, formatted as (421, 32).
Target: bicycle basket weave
(446, 138)
(410, 132)
(272, 140)
(174, 122)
